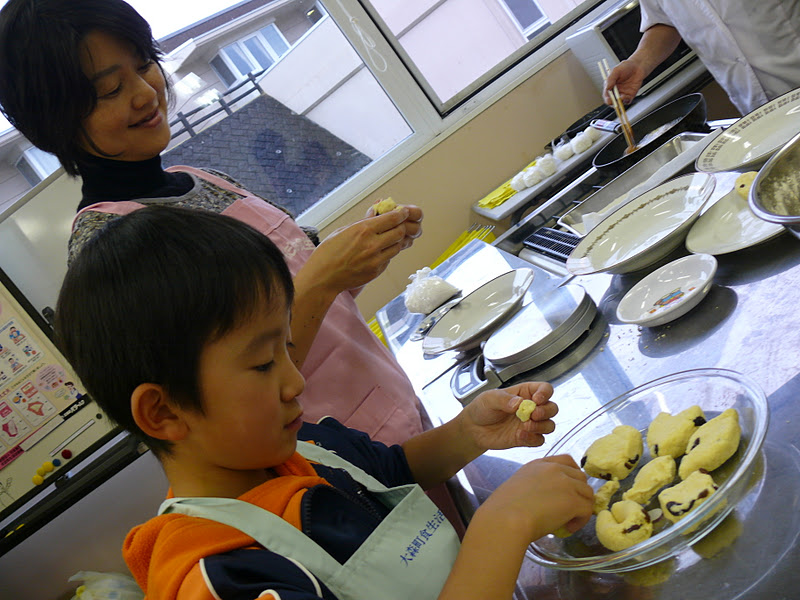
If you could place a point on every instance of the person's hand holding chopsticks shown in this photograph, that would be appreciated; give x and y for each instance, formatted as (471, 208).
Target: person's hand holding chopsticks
(627, 76)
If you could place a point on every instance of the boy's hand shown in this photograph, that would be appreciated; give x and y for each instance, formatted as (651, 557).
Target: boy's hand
(491, 421)
(542, 496)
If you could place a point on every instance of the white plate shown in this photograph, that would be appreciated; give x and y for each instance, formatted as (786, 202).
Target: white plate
(669, 292)
(729, 225)
(471, 320)
(750, 141)
(644, 230)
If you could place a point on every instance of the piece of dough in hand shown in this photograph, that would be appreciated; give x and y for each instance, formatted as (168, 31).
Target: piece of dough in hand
(384, 206)
(525, 409)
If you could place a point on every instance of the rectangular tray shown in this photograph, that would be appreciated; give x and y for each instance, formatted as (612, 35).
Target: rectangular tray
(669, 160)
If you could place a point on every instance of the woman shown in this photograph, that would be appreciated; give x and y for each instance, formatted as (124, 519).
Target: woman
(82, 79)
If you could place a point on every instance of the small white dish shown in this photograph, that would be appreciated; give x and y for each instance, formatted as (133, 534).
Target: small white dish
(644, 230)
(669, 292)
(750, 141)
(729, 225)
(470, 321)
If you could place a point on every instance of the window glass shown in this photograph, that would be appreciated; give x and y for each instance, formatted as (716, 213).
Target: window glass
(457, 46)
(223, 71)
(322, 118)
(238, 59)
(275, 39)
(259, 53)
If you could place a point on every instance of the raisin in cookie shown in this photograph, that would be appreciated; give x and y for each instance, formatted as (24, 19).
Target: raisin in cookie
(712, 444)
(615, 455)
(651, 478)
(678, 500)
(626, 524)
(668, 434)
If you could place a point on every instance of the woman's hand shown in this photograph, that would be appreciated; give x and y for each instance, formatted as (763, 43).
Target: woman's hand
(413, 223)
(491, 421)
(353, 256)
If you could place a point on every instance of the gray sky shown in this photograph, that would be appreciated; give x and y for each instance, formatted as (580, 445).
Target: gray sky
(166, 16)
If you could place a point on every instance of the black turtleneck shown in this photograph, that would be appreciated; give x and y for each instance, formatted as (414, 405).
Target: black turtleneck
(108, 180)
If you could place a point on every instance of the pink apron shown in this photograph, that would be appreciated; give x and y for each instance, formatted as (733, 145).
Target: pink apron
(350, 375)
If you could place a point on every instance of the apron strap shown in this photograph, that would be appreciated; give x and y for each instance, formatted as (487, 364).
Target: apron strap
(314, 453)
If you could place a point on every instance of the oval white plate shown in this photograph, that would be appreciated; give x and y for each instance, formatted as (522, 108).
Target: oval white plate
(729, 225)
(644, 230)
(471, 320)
(750, 141)
(669, 292)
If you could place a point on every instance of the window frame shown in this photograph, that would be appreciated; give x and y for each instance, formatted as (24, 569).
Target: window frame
(429, 125)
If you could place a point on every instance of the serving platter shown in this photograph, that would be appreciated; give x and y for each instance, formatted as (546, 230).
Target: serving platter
(729, 225)
(749, 142)
(644, 230)
(471, 321)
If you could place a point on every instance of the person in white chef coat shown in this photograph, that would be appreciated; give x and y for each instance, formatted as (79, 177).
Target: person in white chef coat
(752, 49)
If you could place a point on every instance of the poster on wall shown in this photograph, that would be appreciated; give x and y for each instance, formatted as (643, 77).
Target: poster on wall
(46, 418)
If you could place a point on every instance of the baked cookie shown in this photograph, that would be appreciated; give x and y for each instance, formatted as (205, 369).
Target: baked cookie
(680, 499)
(668, 434)
(602, 496)
(744, 182)
(384, 206)
(651, 478)
(626, 524)
(712, 444)
(615, 455)
(524, 410)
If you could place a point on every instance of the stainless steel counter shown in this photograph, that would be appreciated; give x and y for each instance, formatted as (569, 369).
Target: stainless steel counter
(748, 323)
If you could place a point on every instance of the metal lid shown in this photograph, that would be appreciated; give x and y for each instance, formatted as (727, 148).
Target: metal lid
(538, 325)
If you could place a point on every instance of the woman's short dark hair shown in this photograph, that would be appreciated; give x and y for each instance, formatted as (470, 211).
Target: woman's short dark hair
(147, 294)
(44, 92)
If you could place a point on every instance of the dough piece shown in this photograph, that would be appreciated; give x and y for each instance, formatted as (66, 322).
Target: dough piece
(668, 434)
(602, 496)
(615, 455)
(712, 444)
(651, 478)
(524, 410)
(678, 500)
(384, 206)
(626, 524)
(744, 182)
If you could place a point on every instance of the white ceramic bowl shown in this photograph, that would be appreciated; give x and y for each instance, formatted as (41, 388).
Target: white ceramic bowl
(669, 292)
(644, 230)
(750, 141)
(472, 320)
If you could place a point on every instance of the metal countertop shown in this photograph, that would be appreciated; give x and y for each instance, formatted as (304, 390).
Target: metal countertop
(748, 323)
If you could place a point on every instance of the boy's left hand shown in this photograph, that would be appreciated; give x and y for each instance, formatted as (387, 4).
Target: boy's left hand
(491, 420)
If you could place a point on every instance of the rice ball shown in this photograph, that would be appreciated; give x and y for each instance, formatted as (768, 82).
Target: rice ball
(532, 176)
(518, 182)
(547, 164)
(581, 143)
(563, 151)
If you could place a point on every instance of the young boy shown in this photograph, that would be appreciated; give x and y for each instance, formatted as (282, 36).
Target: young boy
(177, 322)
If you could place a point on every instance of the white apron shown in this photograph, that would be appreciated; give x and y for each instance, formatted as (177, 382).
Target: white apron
(409, 555)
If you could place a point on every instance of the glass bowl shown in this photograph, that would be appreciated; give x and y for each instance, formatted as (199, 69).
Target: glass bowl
(714, 390)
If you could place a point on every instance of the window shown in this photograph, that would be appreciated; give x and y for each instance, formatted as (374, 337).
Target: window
(528, 15)
(35, 165)
(255, 53)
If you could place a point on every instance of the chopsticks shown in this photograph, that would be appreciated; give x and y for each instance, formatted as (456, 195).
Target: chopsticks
(619, 108)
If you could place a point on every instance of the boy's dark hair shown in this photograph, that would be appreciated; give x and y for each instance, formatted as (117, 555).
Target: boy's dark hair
(44, 92)
(147, 294)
